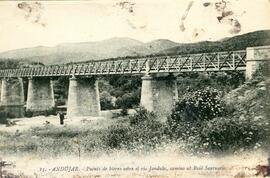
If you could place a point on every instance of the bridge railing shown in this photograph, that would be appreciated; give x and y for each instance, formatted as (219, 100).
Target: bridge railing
(219, 61)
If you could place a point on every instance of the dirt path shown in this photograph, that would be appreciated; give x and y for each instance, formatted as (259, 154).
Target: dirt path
(23, 124)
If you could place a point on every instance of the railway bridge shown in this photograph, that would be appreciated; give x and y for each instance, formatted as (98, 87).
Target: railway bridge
(159, 87)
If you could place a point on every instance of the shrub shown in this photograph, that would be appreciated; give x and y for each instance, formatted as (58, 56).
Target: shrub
(204, 123)
(106, 101)
(144, 131)
(60, 101)
(200, 105)
(117, 136)
(3, 118)
(225, 133)
(128, 100)
(117, 93)
(223, 81)
(124, 111)
(142, 116)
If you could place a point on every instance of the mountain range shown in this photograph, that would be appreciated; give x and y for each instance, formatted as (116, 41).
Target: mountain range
(127, 47)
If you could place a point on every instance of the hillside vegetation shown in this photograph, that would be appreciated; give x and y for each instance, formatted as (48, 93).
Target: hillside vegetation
(241, 42)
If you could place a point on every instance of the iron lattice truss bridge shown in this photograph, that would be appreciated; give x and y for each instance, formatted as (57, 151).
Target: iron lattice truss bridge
(219, 61)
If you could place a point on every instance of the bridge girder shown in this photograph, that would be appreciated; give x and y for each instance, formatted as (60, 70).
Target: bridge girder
(219, 61)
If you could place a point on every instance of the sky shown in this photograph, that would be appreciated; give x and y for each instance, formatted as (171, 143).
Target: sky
(48, 23)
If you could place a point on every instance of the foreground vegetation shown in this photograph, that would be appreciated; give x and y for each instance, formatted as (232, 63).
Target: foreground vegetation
(204, 121)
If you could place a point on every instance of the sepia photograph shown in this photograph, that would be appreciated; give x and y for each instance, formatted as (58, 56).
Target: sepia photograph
(134, 88)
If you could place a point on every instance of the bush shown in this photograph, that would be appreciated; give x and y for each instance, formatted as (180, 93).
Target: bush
(224, 134)
(124, 111)
(28, 113)
(223, 81)
(146, 130)
(61, 87)
(143, 132)
(141, 117)
(3, 118)
(117, 136)
(200, 105)
(106, 101)
(128, 100)
(204, 122)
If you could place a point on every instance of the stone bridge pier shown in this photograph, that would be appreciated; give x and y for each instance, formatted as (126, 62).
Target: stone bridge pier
(159, 94)
(256, 56)
(40, 97)
(83, 97)
(12, 97)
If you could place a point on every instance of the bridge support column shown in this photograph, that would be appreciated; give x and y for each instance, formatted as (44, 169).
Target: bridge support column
(1, 88)
(159, 94)
(12, 97)
(40, 96)
(256, 56)
(83, 97)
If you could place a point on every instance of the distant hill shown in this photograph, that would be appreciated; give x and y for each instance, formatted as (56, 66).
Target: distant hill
(149, 48)
(76, 52)
(68, 52)
(257, 38)
(122, 47)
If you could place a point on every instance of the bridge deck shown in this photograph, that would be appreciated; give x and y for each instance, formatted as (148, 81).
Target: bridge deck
(219, 61)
